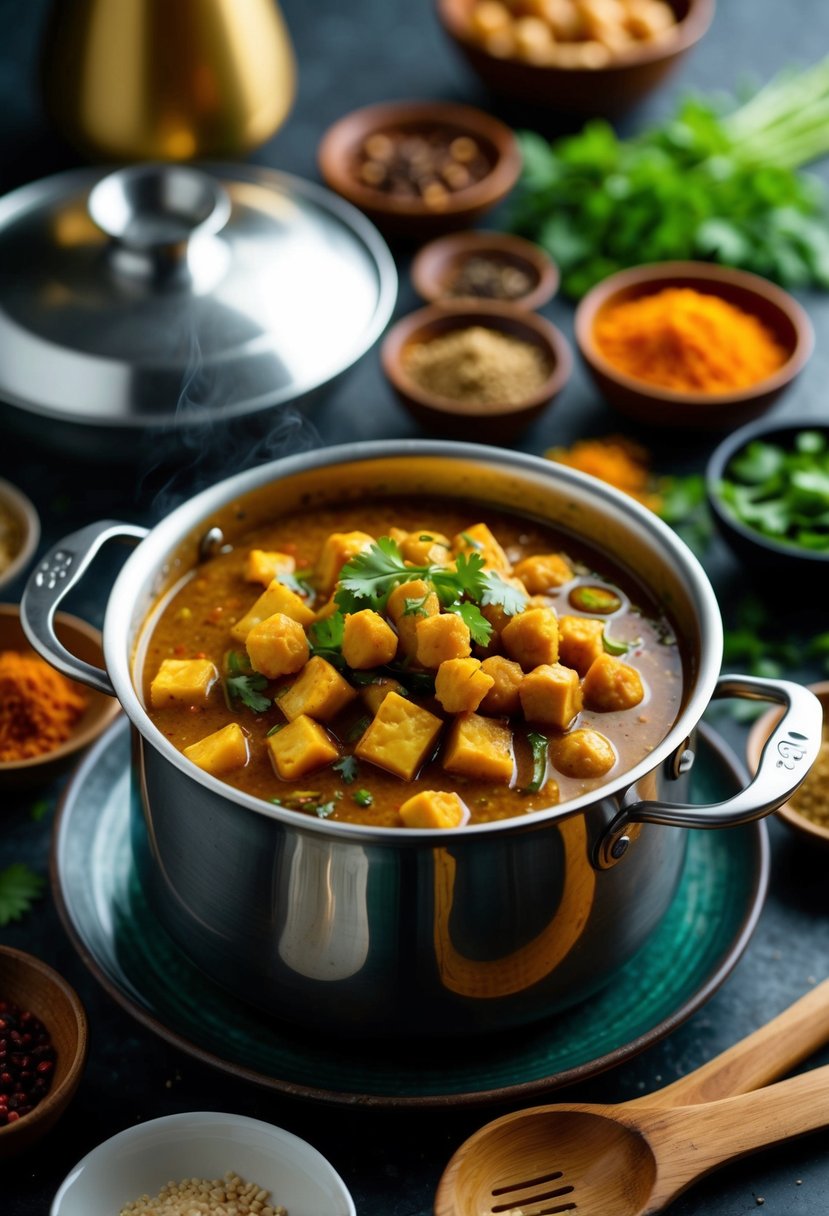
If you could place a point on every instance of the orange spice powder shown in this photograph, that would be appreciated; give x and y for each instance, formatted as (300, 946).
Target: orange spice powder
(687, 340)
(618, 461)
(38, 706)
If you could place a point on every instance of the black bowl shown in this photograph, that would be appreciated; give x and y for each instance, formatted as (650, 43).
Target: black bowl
(754, 548)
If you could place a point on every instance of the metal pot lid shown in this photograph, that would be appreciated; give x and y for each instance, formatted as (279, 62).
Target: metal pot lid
(166, 295)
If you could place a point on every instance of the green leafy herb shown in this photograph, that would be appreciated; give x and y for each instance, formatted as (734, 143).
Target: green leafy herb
(308, 801)
(479, 627)
(348, 769)
(326, 638)
(470, 540)
(782, 492)
(595, 599)
(244, 684)
(275, 729)
(415, 606)
(703, 185)
(539, 744)
(358, 729)
(324, 809)
(363, 797)
(296, 583)
(19, 888)
(501, 593)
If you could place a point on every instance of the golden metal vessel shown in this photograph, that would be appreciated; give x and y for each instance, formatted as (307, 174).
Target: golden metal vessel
(167, 79)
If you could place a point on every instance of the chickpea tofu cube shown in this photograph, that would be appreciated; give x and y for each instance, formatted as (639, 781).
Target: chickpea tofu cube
(182, 682)
(502, 698)
(263, 565)
(338, 549)
(407, 605)
(531, 637)
(277, 598)
(611, 684)
(461, 685)
(425, 547)
(318, 691)
(368, 640)
(442, 637)
(551, 695)
(580, 641)
(583, 753)
(479, 539)
(220, 752)
(400, 738)
(375, 694)
(479, 748)
(434, 809)
(301, 747)
(544, 572)
(277, 646)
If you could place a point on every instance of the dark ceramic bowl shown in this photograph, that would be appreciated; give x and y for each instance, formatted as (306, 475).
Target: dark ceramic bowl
(664, 407)
(465, 419)
(755, 549)
(407, 217)
(30, 984)
(435, 266)
(605, 90)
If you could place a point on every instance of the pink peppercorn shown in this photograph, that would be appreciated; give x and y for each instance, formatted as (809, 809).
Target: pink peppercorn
(27, 1060)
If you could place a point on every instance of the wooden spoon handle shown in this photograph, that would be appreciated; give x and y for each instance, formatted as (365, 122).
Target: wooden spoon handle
(690, 1142)
(761, 1057)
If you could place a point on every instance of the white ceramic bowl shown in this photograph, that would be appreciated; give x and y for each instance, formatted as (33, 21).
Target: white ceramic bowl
(202, 1144)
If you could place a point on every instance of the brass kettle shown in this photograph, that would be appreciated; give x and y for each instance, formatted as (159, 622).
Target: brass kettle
(167, 79)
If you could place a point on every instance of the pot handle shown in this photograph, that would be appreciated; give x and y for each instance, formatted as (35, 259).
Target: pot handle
(54, 576)
(788, 755)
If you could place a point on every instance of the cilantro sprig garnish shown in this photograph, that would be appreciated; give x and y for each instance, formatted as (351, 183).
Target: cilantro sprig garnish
(244, 684)
(371, 575)
(19, 888)
(325, 639)
(348, 768)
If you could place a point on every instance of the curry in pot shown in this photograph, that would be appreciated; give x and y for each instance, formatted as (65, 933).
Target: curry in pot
(406, 663)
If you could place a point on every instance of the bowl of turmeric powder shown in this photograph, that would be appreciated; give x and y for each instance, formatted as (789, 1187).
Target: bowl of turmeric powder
(45, 718)
(692, 345)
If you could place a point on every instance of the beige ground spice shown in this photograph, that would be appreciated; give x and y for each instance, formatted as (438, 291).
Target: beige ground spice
(478, 365)
(228, 1196)
(812, 799)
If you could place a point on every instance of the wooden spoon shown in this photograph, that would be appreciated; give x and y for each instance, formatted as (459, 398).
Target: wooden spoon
(634, 1158)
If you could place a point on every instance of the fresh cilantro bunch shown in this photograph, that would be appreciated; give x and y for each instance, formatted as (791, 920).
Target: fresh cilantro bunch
(704, 186)
(782, 493)
(242, 683)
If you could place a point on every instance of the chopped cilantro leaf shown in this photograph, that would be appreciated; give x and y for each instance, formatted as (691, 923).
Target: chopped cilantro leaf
(415, 606)
(347, 768)
(326, 639)
(479, 627)
(19, 888)
(244, 684)
(359, 728)
(538, 743)
(498, 591)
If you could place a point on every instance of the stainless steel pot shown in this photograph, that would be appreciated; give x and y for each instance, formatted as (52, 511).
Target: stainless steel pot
(360, 930)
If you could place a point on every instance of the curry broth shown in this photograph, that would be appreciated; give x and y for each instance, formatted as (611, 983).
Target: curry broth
(195, 622)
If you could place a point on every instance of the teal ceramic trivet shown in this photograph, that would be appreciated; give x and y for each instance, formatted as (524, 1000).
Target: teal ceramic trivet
(694, 948)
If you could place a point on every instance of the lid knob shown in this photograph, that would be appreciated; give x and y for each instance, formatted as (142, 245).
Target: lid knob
(157, 216)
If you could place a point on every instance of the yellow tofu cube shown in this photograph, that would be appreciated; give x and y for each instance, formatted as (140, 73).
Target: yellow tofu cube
(338, 549)
(277, 598)
(479, 539)
(543, 572)
(551, 695)
(580, 641)
(374, 694)
(502, 698)
(300, 747)
(318, 691)
(531, 637)
(434, 809)
(583, 753)
(220, 752)
(480, 748)
(182, 682)
(461, 685)
(442, 637)
(400, 738)
(406, 606)
(611, 684)
(426, 547)
(368, 640)
(263, 565)
(277, 646)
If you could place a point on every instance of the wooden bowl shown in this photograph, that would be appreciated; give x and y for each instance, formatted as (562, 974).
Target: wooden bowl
(84, 641)
(411, 217)
(465, 419)
(31, 984)
(435, 265)
(663, 407)
(811, 833)
(14, 503)
(605, 90)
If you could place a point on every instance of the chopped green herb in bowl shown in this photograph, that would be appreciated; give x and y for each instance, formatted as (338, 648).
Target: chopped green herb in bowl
(768, 487)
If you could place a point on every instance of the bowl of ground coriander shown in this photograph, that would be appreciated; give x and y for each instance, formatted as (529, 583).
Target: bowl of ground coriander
(478, 372)
(807, 811)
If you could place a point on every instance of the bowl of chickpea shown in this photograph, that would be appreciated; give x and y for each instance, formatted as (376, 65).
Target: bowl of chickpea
(574, 56)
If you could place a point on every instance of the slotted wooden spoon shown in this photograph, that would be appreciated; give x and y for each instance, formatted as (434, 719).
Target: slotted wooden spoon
(634, 1158)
